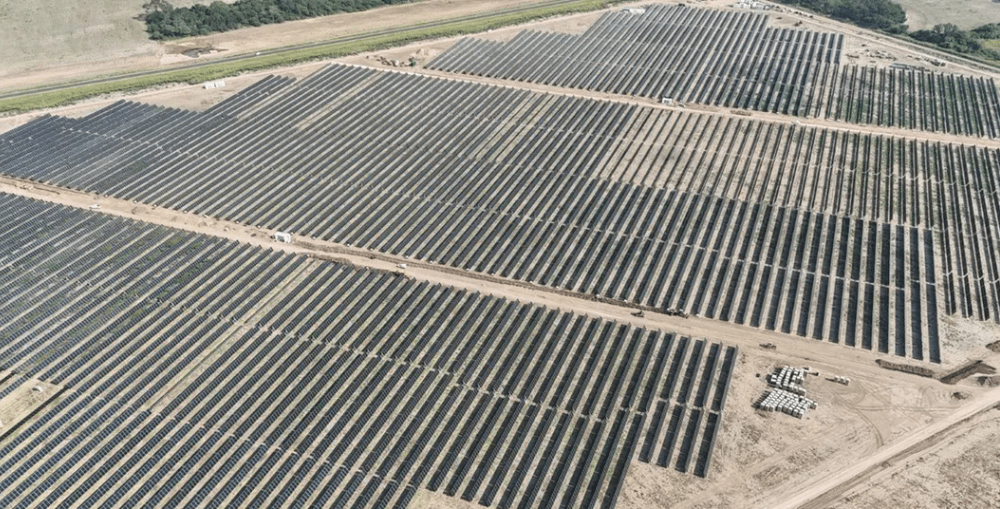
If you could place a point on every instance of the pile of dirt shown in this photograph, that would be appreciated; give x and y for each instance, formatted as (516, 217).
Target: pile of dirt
(905, 368)
(968, 370)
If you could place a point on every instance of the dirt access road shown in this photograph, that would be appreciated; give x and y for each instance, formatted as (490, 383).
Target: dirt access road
(823, 492)
(790, 349)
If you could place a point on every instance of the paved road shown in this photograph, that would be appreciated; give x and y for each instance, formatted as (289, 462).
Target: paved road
(815, 492)
(285, 49)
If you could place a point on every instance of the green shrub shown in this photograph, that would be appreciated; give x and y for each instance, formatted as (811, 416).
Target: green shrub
(875, 14)
(166, 22)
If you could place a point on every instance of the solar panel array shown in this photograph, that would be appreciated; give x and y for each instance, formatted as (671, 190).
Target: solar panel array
(197, 372)
(846, 237)
(732, 59)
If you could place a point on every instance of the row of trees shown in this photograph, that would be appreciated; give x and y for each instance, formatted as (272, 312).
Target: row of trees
(163, 21)
(967, 42)
(890, 17)
(875, 14)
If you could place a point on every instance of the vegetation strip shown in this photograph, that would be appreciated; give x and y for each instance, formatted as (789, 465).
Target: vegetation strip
(163, 21)
(294, 56)
(888, 17)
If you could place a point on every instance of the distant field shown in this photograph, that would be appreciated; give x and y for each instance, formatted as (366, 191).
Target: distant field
(46, 41)
(966, 14)
(45, 33)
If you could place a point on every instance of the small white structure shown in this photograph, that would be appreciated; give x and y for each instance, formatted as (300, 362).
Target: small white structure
(789, 379)
(635, 10)
(214, 84)
(786, 402)
(401, 266)
(95, 207)
(667, 100)
(283, 237)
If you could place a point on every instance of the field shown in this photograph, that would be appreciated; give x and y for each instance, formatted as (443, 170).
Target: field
(59, 41)
(50, 99)
(967, 14)
(516, 277)
(938, 478)
(50, 34)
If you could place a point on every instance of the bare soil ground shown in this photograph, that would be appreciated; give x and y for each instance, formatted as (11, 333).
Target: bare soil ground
(872, 48)
(73, 38)
(761, 455)
(962, 471)
(17, 405)
(966, 14)
(790, 349)
(965, 339)
(432, 500)
(189, 97)
(196, 98)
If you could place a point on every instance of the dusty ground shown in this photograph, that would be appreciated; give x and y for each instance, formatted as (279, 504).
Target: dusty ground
(432, 500)
(921, 14)
(47, 41)
(790, 348)
(190, 97)
(876, 49)
(196, 98)
(860, 46)
(25, 399)
(962, 471)
(761, 455)
(70, 36)
(965, 339)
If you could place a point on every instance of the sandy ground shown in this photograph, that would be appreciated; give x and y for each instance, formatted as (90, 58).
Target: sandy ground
(962, 471)
(921, 14)
(74, 39)
(965, 339)
(17, 405)
(760, 457)
(432, 500)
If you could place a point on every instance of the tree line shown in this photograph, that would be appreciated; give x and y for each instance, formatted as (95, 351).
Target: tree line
(164, 21)
(890, 17)
(967, 42)
(875, 14)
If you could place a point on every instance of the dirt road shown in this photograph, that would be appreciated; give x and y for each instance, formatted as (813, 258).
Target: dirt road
(824, 491)
(790, 349)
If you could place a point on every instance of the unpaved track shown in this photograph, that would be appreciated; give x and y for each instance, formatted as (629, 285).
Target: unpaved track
(821, 493)
(791, 349)
(760, 116)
